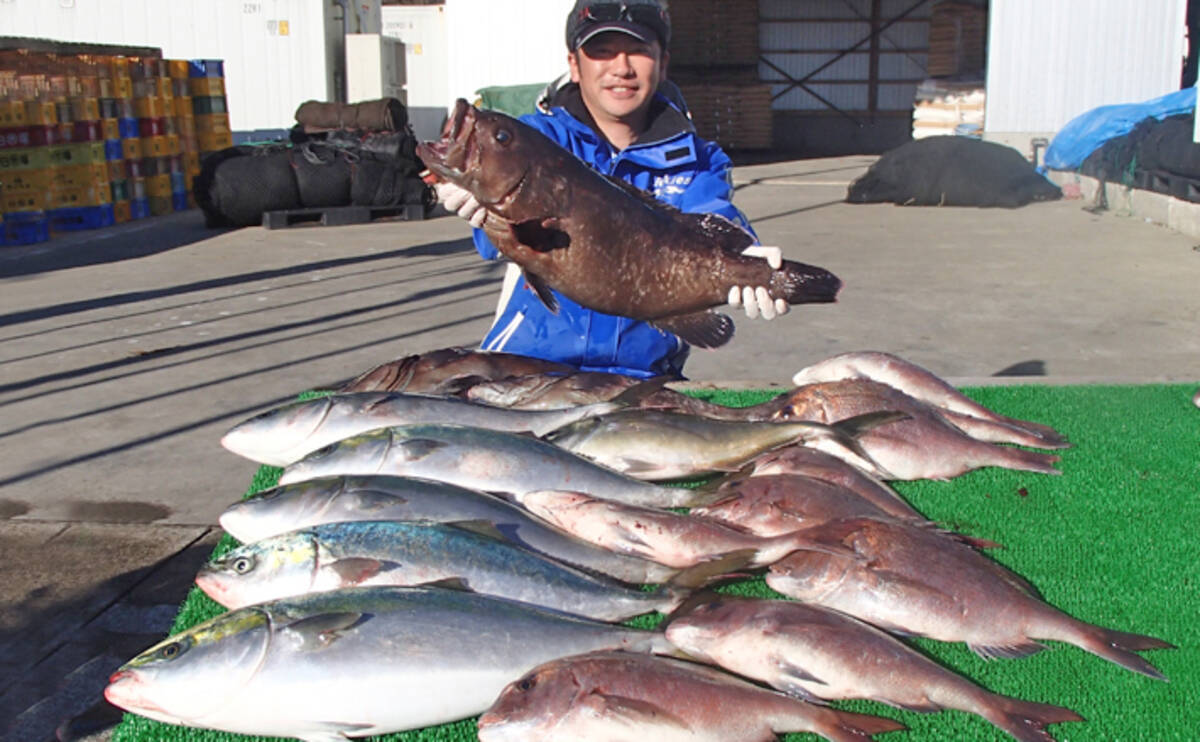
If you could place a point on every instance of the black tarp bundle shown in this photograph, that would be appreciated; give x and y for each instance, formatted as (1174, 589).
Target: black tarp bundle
(341, 167)
(952, 171)
(1161, 147)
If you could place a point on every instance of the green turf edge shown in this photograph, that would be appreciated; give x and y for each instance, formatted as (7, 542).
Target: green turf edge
(1075, 537)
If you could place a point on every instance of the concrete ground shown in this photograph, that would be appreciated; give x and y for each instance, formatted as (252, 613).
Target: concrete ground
(127, 353)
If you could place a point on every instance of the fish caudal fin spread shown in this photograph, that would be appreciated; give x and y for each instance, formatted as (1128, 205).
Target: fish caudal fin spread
(1023, 460)
(1026, 720)
(798, 283)
(1118, 647)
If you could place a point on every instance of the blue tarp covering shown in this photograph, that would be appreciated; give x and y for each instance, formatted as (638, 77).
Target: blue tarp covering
(1085, 133)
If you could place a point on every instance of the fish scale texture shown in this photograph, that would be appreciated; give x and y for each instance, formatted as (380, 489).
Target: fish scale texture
(1110, 542)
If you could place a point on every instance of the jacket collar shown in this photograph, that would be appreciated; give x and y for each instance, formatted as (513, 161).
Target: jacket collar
(666, 121)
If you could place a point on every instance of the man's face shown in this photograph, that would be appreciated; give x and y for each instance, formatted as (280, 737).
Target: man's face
(617, 74)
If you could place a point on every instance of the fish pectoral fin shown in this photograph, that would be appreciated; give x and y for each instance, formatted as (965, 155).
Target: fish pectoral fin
(794, 672)
(707, 329)
(321, 630)
(334, 731)
(356, 570)
(632, 711)
(635, 468)
(541, 235)
(542, 290)
(1007, 651)
(418, 448)
(450, 583)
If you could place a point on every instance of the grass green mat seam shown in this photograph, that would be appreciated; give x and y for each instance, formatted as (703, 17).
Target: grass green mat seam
(1109, 542)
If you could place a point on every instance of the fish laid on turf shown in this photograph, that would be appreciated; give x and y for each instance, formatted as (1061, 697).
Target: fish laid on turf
(916, 382)
(810, 462)
(621, 697)
(783, 503)
(815, 653)
(447, 371)
(655, 445)
(557, 391)
(288, 432)
(914, 581)
(355, 662)
(342, 499)
(601, 242)
(660, 535)
(921, 446)
(368, 553)
(488, 460)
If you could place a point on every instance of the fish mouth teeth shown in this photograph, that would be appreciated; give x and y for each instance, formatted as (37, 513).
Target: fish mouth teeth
(448, 155)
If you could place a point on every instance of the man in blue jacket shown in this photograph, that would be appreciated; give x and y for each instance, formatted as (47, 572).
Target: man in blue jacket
(615, 116)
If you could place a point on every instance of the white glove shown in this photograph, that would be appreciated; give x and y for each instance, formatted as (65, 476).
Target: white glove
(755, 299)
(460, 201)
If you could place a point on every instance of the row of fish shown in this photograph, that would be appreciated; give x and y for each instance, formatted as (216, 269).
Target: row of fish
(462, 567)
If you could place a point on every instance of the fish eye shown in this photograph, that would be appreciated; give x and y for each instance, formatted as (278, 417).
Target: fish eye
(323, 451)
(242, 565)
(526, 683)
(503, 136)
(171, 651)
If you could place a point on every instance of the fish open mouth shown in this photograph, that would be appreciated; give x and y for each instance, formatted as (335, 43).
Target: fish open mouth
(448, 156)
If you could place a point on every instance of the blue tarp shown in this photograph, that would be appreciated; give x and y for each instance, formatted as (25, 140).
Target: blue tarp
(1085, 133)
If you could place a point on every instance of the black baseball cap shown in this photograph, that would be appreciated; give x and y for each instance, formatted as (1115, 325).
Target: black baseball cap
(646, 20)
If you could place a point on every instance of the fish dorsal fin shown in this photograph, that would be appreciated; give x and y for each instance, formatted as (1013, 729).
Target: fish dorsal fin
(707, 329)
(729, 235)
(540, 288)
(632, 396)
(321, 630)
(485, 528)
(632, 711)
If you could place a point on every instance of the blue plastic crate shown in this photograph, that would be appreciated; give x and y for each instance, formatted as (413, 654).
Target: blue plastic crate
(112, 150)
(179, 201)
(139, 208)
(206, 68)
(178, 183)
(24, 228)
(81, 217)
(128, 128)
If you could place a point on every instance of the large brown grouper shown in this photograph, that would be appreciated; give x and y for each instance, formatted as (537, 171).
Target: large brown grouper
(601, 242)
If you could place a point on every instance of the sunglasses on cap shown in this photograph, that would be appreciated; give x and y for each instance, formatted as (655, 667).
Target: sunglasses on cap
(653, 17)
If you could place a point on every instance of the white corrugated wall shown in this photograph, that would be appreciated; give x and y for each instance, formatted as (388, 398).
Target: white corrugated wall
(1049, 61)
(270, 68)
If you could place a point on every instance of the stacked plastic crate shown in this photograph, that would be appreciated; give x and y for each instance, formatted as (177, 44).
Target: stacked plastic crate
(206, 83)
(81, 197)
(24, 169)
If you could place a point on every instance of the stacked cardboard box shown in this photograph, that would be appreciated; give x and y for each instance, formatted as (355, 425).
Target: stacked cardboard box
(89, 140)
(714, 60)
(943, 107)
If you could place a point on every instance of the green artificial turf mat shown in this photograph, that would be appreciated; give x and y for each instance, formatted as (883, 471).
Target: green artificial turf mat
(1112, 541)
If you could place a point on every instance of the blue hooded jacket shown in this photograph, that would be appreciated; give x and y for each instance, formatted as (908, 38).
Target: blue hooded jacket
(671, 162)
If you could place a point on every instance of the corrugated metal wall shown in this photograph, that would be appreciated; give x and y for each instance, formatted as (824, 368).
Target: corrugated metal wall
(269, 68)
(1051, 61)
(800, 37)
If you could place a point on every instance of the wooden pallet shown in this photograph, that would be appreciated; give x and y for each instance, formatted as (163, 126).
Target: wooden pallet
(336, 216)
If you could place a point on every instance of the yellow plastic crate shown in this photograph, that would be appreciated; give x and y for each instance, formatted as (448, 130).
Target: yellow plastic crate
(207, 87)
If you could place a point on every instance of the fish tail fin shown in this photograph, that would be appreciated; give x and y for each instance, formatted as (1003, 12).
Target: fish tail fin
(845, 726)
(633, 395)
(1020, 459)
(798, 283)
(710, 571)
(1026, 720)
(1116, 646)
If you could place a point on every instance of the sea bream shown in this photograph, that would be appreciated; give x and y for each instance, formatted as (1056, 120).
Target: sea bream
(818, 654)
(913, 581)
(287, 433)
(917, 382)
(620, 697)
(355, 662)
(601, 242)
(367, 553)
(809, 462)
(487, 460)
(661, 535)
(323, 500)
(447, 371)
(924, 445)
